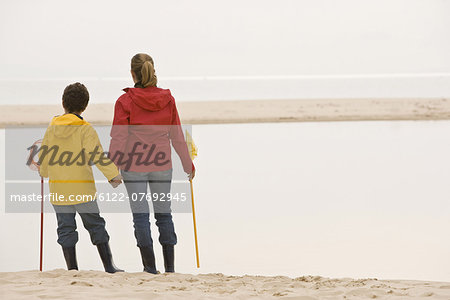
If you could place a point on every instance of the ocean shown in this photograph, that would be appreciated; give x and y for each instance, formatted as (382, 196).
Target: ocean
(211, 88)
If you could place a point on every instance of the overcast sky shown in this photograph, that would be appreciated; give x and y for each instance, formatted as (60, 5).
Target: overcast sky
(66, 39)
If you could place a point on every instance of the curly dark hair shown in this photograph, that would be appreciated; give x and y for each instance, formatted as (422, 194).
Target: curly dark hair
(75, 98)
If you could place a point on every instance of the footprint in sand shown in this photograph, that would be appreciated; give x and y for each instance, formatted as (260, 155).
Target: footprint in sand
(300, 298)
(81, 283)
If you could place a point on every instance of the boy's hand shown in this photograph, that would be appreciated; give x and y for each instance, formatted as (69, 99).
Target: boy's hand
(116, 181)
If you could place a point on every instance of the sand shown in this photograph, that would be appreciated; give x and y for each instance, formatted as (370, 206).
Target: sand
(216, 112)
(62, 284)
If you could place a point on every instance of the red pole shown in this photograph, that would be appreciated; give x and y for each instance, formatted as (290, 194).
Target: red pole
(42, 223)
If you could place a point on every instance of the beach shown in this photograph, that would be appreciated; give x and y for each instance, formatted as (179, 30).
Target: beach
(322, 141)
(61, 284)
(339, 231)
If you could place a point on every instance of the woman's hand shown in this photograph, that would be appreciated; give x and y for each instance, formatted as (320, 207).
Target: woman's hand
(192, 175)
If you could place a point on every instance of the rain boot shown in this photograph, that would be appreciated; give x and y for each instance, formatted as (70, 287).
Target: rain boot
(148, 259)
(71, 258)
(169, 258)
(106, 256)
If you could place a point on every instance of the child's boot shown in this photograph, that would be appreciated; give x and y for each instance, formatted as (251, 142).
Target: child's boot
(106, 256)
(71, 258)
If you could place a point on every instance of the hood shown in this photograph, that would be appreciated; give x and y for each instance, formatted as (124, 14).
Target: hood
(65, 125)
(150, 98)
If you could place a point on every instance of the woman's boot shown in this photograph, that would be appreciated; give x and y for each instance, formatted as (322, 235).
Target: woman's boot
(106, 256)
(169, 258)
(148, 259)
(71, 258)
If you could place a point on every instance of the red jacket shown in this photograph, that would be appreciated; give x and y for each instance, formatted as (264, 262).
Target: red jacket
(145, 122)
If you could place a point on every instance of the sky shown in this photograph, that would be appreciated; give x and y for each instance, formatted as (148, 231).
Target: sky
(96, 39)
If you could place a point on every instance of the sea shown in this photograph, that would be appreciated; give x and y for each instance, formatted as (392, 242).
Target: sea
(38, 91)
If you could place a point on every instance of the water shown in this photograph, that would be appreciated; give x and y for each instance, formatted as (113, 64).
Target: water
(345, 199)
(107, 90)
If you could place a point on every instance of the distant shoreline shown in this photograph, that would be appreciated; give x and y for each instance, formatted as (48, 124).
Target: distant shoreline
(255, 111)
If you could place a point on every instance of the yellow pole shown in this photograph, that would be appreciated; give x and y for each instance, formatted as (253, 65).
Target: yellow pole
(195, 225)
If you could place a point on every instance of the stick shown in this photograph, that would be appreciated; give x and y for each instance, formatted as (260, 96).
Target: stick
(195, 225)
(42, 224)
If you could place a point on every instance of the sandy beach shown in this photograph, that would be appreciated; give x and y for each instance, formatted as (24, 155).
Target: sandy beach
(61, 284)
(320, 132)
(255, 111)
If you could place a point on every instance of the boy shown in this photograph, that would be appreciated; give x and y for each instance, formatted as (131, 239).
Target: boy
(69, 148)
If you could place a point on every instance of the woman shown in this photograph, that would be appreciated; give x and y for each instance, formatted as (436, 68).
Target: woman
(151, 123)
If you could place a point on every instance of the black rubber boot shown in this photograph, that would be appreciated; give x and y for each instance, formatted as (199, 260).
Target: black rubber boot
(169, 258)
(71, 258)
(148, 259)
(106, 256)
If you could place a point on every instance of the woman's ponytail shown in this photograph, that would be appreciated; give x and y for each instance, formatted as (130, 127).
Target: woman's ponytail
(142, 66)
(148, 77)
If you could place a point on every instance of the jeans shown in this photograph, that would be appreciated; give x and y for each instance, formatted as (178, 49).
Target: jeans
(159, 182)
(92, 221)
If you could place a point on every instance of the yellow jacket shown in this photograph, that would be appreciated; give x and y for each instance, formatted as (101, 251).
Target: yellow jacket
(69, 148)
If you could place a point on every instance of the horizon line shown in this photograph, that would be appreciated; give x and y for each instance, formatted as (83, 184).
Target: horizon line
(246, 77)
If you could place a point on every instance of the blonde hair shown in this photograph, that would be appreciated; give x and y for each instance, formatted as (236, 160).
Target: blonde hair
(142, 66)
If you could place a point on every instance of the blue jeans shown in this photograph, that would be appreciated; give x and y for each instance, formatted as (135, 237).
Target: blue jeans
(159, 182)
(92, 221)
